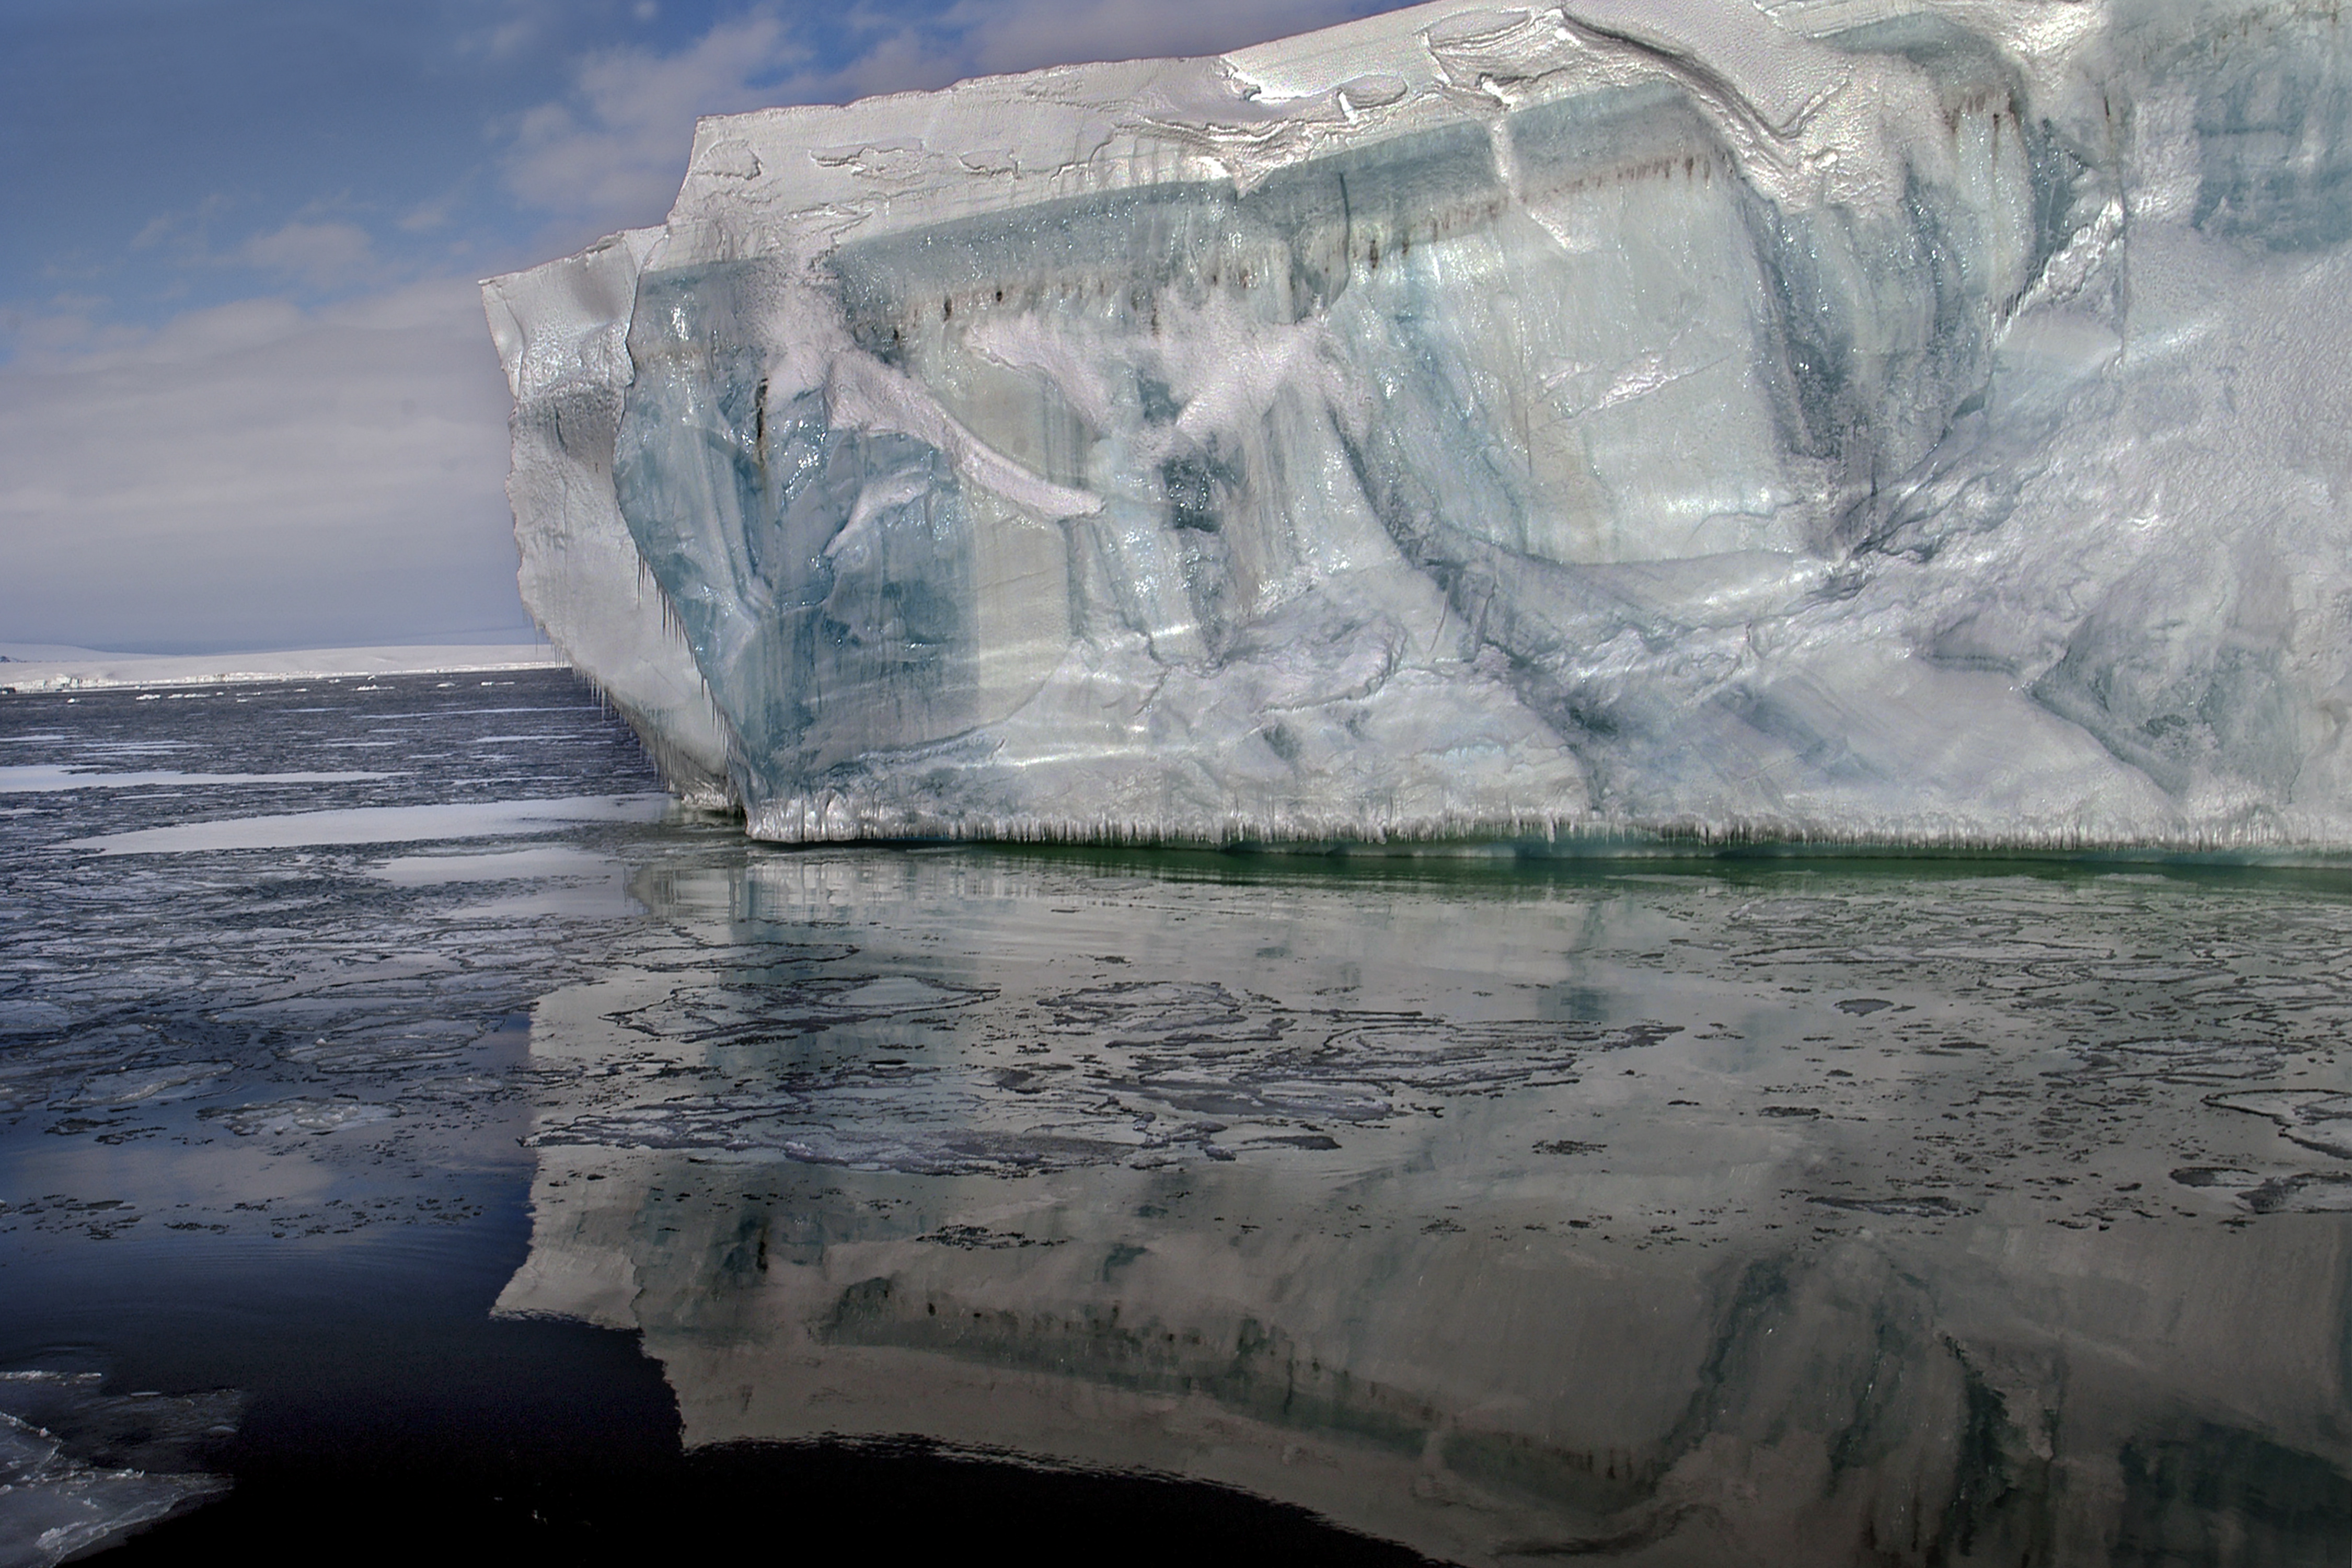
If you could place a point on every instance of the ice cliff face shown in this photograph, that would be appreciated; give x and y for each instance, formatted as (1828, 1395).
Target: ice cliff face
(1868, 420)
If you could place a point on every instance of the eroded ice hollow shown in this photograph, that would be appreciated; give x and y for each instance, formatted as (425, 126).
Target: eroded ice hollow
(1855, 420)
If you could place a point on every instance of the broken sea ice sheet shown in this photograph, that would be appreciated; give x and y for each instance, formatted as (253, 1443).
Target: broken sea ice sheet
(381, 825)
(81, 1468)
(48, 779)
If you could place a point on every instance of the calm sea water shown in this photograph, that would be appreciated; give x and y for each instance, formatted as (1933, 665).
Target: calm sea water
(407, 1117)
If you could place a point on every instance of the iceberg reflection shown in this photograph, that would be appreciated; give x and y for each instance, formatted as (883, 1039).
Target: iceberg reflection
(1776, 1215)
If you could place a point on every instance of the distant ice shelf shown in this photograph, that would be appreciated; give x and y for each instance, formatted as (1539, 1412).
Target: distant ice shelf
(1918, 424)
(87, 670)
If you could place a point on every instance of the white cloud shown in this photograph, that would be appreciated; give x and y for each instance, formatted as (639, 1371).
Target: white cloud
(323, 254)
(613, 153)
(260, 475)
(428, 216)
(989, 37)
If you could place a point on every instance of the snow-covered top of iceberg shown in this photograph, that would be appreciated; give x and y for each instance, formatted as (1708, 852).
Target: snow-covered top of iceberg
(808, 177)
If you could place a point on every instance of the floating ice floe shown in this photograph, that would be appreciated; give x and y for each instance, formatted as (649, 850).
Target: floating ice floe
(81, 1468)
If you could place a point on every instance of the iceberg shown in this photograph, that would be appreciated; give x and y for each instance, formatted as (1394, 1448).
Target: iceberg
(1857, 420)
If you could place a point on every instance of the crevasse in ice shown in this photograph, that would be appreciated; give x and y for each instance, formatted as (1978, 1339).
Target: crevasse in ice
(1859, 419)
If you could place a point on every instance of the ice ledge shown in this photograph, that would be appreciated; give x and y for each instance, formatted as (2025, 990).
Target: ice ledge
(834, 818)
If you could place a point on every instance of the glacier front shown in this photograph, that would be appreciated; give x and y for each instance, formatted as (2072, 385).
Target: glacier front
(1855, 420)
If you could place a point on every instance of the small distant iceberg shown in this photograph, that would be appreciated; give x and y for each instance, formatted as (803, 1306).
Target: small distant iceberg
(1878, 421)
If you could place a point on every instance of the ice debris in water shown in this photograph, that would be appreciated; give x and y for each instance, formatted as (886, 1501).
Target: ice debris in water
(79, 1469)
(1873, 419)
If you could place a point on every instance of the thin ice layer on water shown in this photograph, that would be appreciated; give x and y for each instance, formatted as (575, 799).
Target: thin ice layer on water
(1873, 421)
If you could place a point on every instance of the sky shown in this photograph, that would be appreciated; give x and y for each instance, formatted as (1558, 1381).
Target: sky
(248, 400)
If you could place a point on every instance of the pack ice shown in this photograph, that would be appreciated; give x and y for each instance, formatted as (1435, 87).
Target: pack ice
(1857, 419)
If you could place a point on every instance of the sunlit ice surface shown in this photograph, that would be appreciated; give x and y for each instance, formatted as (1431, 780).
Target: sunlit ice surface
(1661, 1210)
(1890, 421)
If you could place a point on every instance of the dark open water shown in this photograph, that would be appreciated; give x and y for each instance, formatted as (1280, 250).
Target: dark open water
(466, 1152)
